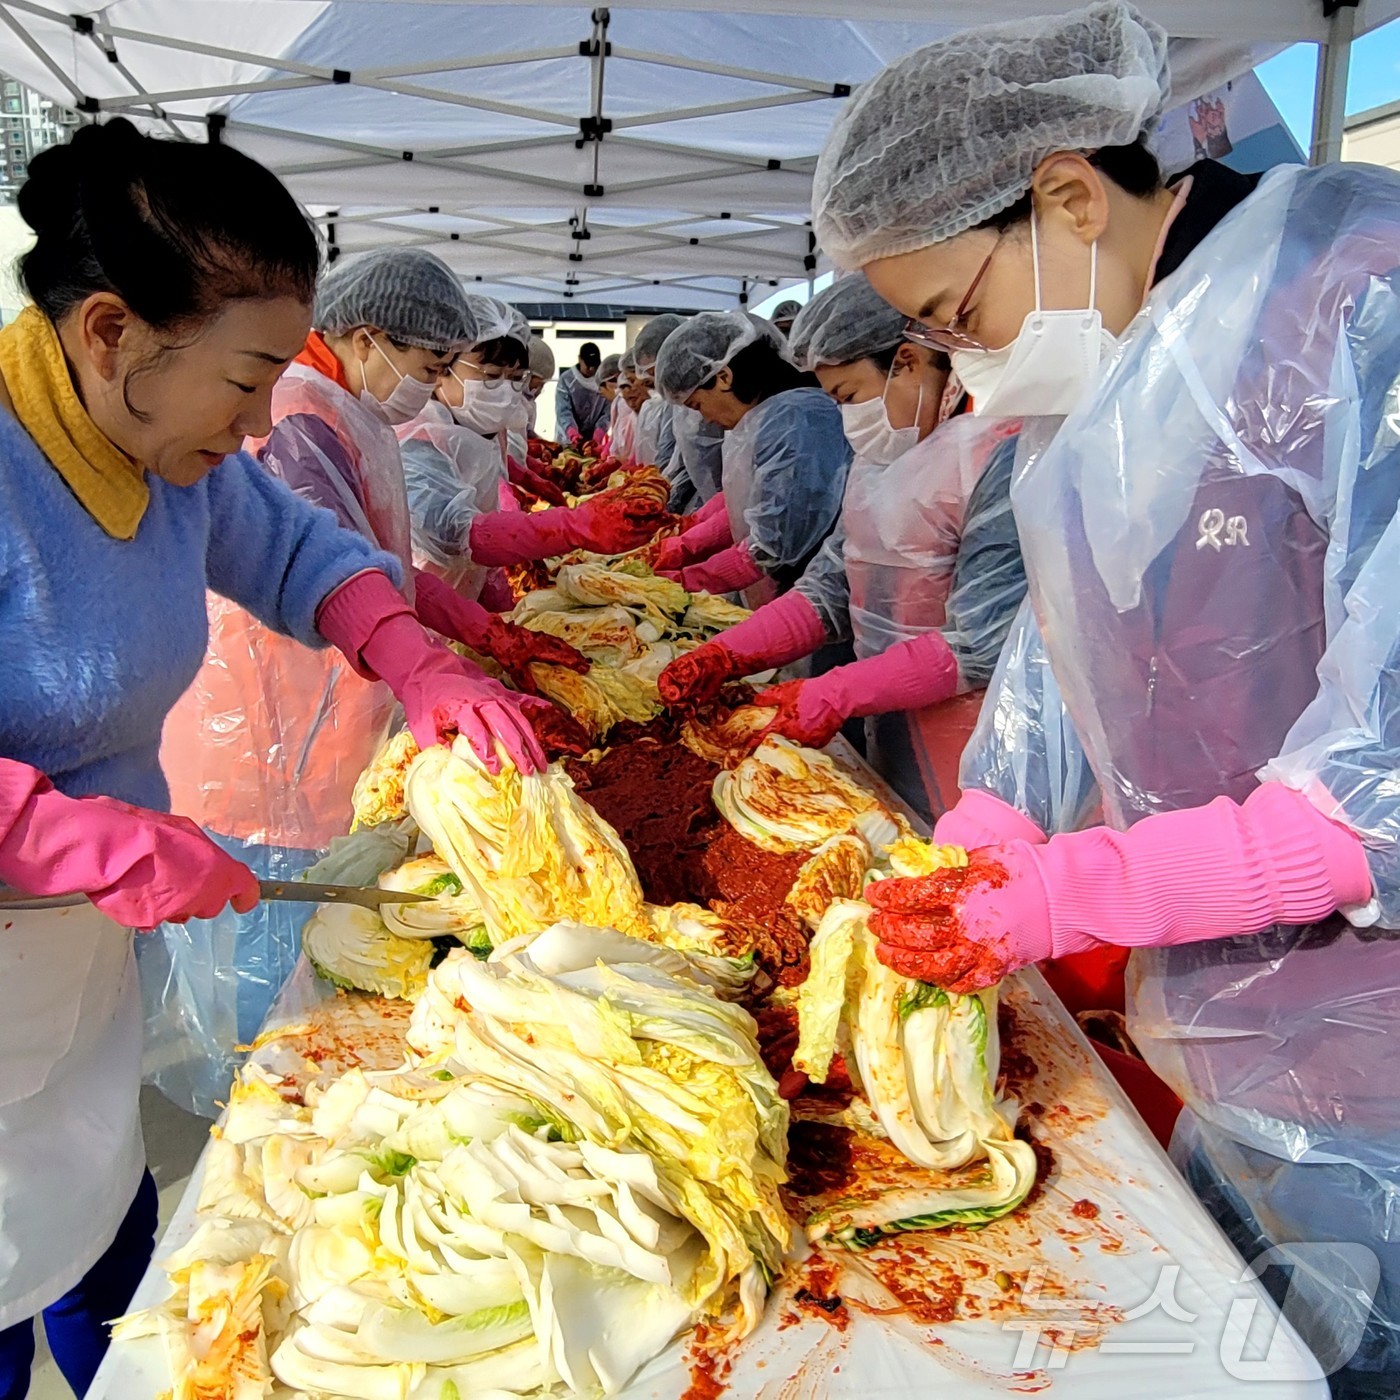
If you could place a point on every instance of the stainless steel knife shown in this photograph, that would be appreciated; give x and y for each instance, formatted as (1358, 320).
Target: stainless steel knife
(295, 891)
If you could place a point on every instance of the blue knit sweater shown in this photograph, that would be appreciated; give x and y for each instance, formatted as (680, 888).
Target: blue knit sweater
(100, 637)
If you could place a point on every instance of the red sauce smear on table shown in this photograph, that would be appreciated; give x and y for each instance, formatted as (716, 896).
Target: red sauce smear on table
(709, 1368)
(1085, 1210)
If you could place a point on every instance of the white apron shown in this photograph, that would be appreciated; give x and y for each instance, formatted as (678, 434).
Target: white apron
(71, 1151)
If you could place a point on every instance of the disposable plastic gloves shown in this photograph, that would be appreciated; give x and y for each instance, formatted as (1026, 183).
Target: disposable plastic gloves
(1217, 871)
(784, 630)
(139, 867)
(442, 695)
(440, 607)
(909, 676)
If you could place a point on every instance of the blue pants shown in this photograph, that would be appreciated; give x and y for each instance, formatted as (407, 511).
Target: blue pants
(76, 1325)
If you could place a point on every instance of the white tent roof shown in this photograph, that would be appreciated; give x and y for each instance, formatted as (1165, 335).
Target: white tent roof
(658, 154)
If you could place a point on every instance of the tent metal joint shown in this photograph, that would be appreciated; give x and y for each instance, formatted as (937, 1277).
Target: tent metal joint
(340, 76)
(83, 24)
(1330, 7)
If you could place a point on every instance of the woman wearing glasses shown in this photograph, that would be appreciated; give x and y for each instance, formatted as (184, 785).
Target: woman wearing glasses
(1212, 547)
(923, 572)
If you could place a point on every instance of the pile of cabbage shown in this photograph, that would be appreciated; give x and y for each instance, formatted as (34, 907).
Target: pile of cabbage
(580, 1160)
(927, 1062)
(630, 623)
(511, 854)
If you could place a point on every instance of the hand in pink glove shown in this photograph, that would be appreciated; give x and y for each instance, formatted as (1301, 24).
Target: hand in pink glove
(1217, 871)
(782, 631)
(612, 522)
(670, 557)
(371, 622)
(982, 819)
(140, 868)
(707, 534)
(908, 676)
(530, 480)
(440, 607)
(724, 572)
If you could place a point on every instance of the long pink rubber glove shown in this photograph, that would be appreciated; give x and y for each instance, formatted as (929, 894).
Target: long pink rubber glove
(139, 867)
(440, 607)
(527, 477)
(724, 572)
(1216, 871)
(982, 819)
(910, 675)
(709, 533)
(608, 524)
(442, 695)
(784, 630)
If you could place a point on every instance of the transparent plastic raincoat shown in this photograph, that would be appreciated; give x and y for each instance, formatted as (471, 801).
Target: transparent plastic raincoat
(264, 749)
(700, 450)
(452, 475)
(622, 434)
(1213, 550)
(926, 543)
(783, 478)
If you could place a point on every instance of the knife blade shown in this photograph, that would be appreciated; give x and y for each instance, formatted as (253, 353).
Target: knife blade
(303, 892)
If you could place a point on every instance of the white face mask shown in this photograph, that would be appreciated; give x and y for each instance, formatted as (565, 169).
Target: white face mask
(1051, 364)
(588, 381)
(872, 436)
(485, 408)
(408, 399)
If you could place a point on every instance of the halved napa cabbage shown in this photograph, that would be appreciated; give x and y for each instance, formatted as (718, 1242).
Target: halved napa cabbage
(450, 912)
(353, 948)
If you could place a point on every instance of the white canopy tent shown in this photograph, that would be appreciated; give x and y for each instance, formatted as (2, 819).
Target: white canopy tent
(642, 155)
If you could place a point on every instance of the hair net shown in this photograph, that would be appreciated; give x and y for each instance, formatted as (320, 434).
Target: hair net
(404, 292)
(496, 320)
(610, 369)
(626, 367)
(541, 358)
(701, 347)
(950, 135)
(786, 310)
(652, 337)
(846, 322)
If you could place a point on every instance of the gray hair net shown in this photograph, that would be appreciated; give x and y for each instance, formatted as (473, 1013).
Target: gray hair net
(541, 358)
(697, 351)
(610, 369)
(409, 294)
(786, 310)
(496, 320)
(950, 135)
(652, 337)
(848, 321)
(626, 367)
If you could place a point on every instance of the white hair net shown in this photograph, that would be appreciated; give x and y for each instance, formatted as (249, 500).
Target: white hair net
(846, 322)
(541, 358)
(497, 320)
(626, 367)
(950, 135)
(652, 337)
(610, 369)
(408, 294)
(697, 351)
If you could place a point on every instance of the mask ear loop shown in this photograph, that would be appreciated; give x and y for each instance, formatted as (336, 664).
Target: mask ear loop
(1035, 256)
(1093, 276)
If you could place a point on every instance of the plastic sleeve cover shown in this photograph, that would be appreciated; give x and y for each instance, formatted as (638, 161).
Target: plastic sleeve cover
(989, 576)
(441, 507)
(799, 476)
(1024, 749)
(825, 586)
(277, 556)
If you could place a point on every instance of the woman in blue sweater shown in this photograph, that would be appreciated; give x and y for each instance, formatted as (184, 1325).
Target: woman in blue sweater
(172, 285)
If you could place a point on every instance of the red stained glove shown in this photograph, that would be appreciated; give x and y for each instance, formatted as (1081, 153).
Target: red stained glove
(140, 868)
(1218, 871)
(529, 480)
(698, 676)
(515, 647)
(803, 715)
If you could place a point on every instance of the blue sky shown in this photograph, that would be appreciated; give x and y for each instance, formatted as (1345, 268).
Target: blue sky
(1375, 78)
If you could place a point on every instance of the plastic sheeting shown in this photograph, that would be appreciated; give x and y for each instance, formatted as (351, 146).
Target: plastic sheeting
(451, 475)
(265, 747)
(1213, 549)
(700, 447)
(783, 479)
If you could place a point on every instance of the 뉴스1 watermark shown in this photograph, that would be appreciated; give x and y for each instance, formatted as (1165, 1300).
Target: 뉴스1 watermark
(1330, 1290)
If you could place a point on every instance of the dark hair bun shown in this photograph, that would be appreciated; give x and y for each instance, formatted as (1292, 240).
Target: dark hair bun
(176, 229)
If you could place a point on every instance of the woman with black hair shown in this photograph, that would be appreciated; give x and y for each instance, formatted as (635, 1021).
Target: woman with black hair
(172, 286)
(785, 456)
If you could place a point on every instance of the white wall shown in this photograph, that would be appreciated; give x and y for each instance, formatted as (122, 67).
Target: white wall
(1377, 142)
(611, 338)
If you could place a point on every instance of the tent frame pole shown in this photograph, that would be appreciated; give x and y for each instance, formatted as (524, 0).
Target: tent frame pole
(1333, 66)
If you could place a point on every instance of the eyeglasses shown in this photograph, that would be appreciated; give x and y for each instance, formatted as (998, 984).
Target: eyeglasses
(951, 337)
(492, 375)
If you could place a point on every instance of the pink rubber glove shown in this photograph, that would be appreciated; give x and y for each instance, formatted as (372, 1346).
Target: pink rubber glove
(784, 630)
(139, 867)
(440, 607)
(442, 695)
(531, 481)
(713, 507)
(724, 572)
(910, 675)
(1216, 871)
(613, 522)
(506, 499)
(708, 535)
(983, 819)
